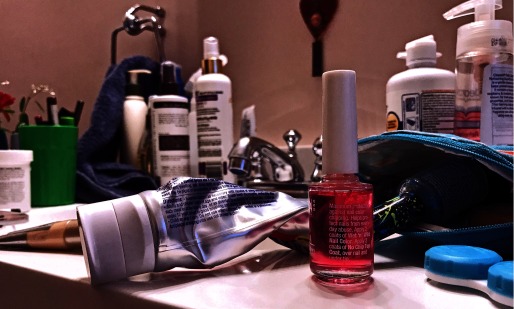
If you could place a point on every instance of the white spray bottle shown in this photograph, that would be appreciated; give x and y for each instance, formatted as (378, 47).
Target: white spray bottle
(421, 98)
(213, 95)
(484, 82)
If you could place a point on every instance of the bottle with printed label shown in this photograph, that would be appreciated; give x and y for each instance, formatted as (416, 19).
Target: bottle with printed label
(170, 128)
(421, 98)
(484, 83)
(213, 95)
(340, 206)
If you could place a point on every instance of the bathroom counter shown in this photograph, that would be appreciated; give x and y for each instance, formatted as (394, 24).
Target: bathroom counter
(269, 276)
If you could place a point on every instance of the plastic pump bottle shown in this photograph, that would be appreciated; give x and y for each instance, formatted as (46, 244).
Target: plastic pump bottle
(170, 128)
(193, 130)
(134, 117)
(484, 82)
(421, 98)
(213, 96)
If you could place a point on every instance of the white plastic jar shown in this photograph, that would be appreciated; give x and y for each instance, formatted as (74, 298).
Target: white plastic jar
(15, 179)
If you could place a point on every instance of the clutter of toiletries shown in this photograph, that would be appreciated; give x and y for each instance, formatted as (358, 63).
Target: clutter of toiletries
(193, 137)
(199, 213)
(38, 159)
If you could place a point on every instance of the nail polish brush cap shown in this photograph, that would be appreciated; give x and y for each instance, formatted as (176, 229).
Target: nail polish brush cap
(339, 111)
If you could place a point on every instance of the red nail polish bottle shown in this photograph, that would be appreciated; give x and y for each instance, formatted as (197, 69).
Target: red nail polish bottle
(341, 207)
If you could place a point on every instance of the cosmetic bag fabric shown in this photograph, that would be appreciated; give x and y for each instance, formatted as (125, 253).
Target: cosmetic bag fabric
(386, 160)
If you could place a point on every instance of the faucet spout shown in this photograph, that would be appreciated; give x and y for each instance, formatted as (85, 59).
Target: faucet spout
(285, 168)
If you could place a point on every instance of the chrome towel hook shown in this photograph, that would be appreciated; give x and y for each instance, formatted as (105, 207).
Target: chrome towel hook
(134, 25)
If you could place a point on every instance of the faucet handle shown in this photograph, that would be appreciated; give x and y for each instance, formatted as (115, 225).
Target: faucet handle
(292, 137)
(317, 146)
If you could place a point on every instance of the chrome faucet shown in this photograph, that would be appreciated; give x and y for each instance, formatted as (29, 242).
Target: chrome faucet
(285, 166)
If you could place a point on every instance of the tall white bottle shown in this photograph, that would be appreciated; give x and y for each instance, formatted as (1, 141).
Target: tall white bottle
(421, 98)
(134, 117)
(484, 105)
(213, 96)
(170, 128)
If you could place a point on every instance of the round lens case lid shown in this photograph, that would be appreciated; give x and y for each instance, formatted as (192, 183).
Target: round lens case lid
(462, 262)
(500, 279)
(472, 267)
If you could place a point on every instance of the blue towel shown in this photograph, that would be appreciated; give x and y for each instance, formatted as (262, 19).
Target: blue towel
(99, 175)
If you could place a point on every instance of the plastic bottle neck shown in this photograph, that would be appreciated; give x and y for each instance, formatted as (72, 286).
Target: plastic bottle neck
(340, 178)
(211, 65)
(422, 64)
(134, 97)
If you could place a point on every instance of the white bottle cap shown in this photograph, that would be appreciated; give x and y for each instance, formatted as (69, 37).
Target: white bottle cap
(339, 111)
(422, 51)
(210, 48)
(485, 34)
(116, 239)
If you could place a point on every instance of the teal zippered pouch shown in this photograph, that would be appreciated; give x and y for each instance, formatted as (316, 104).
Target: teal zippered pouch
(386, 160)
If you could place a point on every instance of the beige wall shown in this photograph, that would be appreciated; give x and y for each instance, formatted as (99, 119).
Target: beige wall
(66, 44)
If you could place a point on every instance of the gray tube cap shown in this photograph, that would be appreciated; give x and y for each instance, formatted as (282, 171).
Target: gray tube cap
(117, 239)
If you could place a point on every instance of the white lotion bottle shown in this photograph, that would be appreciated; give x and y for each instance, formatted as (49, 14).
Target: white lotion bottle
(135, 110)
(213, 95)
(170, 128)
(421, 98)
(193, 130)
(484, 74)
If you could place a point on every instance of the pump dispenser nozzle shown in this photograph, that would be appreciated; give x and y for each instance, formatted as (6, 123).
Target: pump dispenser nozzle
(422, 51)
(210, 48)
(134, 80)
(478, 34)
(168, 79)
(483, 9)
(211, 63)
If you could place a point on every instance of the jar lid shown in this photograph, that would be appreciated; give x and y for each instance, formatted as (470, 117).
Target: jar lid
(16, 156)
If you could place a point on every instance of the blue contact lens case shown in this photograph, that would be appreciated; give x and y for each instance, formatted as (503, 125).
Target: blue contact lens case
(473, 267)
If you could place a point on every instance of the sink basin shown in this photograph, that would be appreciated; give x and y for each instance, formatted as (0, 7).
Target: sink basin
(294, 189)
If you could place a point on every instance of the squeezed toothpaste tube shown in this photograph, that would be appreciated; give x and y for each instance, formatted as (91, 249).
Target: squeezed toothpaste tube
(193, 223)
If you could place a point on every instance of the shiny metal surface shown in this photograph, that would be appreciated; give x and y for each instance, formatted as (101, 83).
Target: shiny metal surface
(294, 189)
(285, 168)
(202, 223)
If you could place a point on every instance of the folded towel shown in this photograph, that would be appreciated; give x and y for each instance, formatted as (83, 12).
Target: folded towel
(99, 175)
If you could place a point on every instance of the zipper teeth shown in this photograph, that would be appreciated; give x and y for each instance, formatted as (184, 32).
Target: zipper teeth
(444, 146)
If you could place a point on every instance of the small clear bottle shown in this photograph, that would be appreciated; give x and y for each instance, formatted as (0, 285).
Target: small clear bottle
(484, 82)
(341, 207)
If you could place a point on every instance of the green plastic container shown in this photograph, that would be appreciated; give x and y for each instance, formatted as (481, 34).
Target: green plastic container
(53, 171)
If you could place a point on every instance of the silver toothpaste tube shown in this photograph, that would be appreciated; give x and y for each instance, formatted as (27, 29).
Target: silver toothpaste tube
(189, 222)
